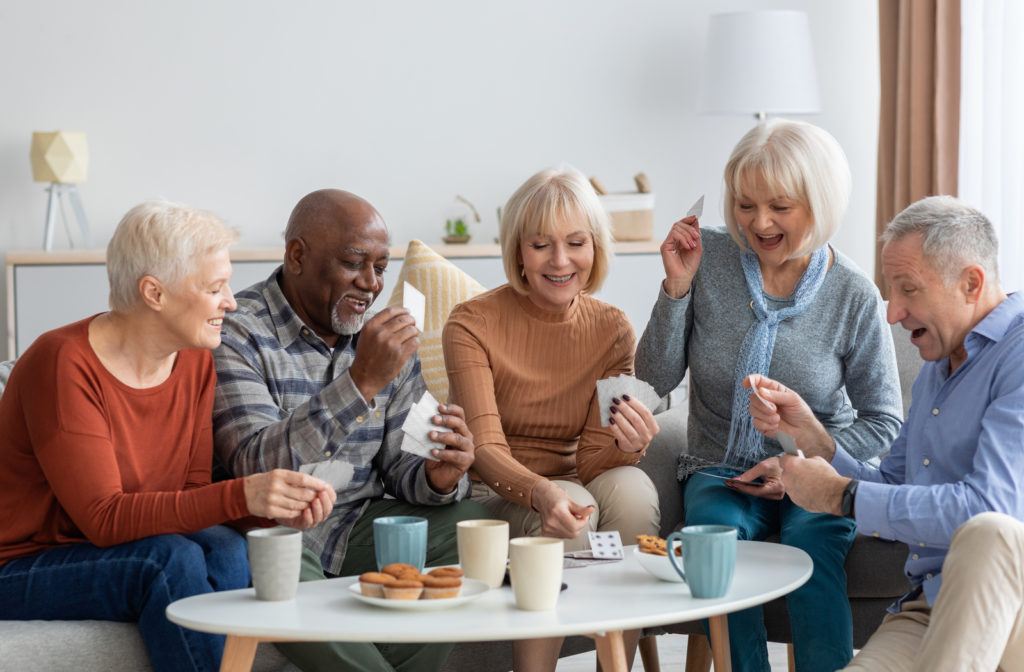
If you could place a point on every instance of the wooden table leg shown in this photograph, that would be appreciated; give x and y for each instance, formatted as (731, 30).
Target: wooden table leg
(648, 648)
(719, 630)
(611, 651)
(239, 653)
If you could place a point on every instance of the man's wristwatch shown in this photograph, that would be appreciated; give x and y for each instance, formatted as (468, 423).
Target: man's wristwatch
(849, 494)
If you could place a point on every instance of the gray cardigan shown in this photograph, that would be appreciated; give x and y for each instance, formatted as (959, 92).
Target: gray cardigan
(838, 355)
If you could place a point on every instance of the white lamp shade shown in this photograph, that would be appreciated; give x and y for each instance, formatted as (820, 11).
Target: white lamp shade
(760, 62)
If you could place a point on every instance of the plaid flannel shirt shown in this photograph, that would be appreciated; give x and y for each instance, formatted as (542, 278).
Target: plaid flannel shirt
(285, 399)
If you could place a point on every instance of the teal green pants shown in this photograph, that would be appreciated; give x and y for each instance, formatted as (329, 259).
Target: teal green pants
(359, 558)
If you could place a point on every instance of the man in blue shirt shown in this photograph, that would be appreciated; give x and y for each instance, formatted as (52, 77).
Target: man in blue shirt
(960, 452)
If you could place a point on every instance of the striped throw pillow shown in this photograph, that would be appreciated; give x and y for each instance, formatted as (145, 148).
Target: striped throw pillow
(445, 285)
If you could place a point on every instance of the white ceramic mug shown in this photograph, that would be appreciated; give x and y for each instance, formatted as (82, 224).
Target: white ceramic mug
(275, 558)
(535, 564)
(483, 549)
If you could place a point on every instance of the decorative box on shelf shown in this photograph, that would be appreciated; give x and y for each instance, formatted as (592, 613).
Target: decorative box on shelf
(632, 215)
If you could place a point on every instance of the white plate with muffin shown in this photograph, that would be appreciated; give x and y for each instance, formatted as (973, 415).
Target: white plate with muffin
(400, 586)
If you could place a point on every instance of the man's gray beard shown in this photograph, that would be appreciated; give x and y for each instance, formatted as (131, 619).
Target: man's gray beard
(347, 327)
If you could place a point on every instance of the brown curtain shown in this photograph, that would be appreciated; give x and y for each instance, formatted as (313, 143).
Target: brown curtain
(919, 120)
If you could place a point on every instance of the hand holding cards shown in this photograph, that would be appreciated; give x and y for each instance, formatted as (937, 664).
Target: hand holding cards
(620, 386)
(418, 425)
(785, 440)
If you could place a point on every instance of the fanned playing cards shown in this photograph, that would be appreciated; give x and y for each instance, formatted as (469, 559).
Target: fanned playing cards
(617, 386)
(418, 425)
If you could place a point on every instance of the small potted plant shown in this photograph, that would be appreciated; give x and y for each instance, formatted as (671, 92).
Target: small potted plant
(457, 231)
(456, 228)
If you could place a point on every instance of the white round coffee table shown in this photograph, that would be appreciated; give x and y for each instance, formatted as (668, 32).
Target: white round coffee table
(601, 601)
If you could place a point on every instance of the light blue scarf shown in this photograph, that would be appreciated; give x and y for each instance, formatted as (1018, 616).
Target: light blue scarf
(746, 444)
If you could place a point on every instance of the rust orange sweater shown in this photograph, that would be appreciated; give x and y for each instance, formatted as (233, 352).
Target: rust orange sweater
(527, 380)
(88, 458)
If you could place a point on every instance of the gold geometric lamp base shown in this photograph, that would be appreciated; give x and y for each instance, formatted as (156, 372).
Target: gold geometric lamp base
(62, 159)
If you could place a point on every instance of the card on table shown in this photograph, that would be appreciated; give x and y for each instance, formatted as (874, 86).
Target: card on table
(606, 545)
(418, 425)
(416, 302)
(615, 387)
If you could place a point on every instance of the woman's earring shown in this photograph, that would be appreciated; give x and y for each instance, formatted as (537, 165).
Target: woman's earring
(522, 271)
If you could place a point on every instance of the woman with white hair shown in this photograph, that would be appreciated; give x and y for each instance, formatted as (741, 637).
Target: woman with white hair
(107, 449)
(771, 296)
(524, 359)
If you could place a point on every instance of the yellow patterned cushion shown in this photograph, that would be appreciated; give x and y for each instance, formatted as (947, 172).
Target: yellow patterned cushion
(445, 285)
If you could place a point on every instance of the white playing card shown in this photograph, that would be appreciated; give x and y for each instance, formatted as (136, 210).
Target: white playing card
(697, 209)
(617, 386)
(418, 425)
(785, 440)
(336, 472)
(606, 544)
(414, 300)
(788, 443)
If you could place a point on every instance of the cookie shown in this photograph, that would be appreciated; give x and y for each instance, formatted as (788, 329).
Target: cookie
(649, 543)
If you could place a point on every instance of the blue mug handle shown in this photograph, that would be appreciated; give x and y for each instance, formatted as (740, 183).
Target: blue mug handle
(670, 547)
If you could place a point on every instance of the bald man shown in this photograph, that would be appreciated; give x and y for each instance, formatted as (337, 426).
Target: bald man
(305, 380)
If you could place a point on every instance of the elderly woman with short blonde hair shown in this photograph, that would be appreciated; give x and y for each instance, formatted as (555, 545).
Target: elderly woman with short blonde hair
(107, 449)
(524, 360)
(771, 296)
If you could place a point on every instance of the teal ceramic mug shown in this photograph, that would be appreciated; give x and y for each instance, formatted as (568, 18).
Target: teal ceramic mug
(400, 539)
(709, 558)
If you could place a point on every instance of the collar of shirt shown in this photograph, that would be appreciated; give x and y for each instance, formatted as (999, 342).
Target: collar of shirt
(289, 327)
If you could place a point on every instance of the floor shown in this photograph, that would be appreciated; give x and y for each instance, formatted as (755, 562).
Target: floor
(672, 654)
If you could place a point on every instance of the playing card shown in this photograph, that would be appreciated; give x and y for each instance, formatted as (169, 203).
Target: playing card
(617, 386)
(418, 425)
(606, 544)
(336, 472)
(414, 300)
(697, 209)
(788, 443)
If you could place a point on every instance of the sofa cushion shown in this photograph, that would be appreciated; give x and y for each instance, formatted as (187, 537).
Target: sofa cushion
(445, 285)
(93, 646)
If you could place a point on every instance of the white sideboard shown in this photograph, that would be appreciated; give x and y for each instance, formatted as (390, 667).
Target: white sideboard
(48, 289)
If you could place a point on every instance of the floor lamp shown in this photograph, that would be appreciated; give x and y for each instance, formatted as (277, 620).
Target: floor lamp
(760, 63)
(62, 159)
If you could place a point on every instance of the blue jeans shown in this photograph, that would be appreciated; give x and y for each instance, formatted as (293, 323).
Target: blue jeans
(819, 611)
(132, 582)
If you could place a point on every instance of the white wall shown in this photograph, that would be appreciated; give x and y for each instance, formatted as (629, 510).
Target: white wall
(243, 106)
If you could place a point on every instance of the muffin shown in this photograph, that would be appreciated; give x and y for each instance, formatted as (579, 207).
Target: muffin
(372, 583)
(399, 570)
(449, 572)
(440, 587)
(403, 589)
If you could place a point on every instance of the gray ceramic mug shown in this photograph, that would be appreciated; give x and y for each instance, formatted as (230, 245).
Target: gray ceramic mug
(275, 558)
(709, 558)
